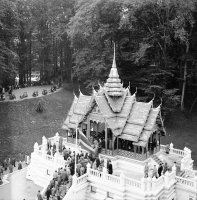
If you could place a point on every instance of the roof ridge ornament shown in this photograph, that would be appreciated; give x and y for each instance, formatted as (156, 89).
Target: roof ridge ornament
(151, 101)
(135, 90)
(80, 93)
(75, 96)
(94, 92)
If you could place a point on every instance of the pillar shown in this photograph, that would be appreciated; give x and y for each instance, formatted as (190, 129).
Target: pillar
(143, 150)
(112, 144)
(105, 138)
(97, 127)
(135, 150)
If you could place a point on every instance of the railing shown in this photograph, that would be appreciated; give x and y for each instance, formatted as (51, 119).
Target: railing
(133, 183)
(178, 152)
(190, 172)
(163, 147)
(173, 150)
(48, 157)
(124, 153)
(82, 179)
(96, 173)
(112, 179)
(186, 182)
(159, 183)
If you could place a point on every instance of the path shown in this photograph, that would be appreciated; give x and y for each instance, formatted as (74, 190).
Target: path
(19, 187)
(29, 91)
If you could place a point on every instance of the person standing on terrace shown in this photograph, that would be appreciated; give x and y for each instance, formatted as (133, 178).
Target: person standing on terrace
(110, 168)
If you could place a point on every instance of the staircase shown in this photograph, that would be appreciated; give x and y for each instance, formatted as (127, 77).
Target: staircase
(156, 159)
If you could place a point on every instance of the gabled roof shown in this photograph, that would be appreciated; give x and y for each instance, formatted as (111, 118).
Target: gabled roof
(126, 117)
(77, 111)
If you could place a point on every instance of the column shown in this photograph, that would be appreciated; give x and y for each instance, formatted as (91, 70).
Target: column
(135, 150)
(88, 128)
(117, 143)
(146, 150)
(143, 150)
(113, 139)
(97, 127)
(105, 138)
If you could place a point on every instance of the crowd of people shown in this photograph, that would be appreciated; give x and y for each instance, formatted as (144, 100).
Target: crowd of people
(151, 172)
(7, 166)
(62, 178)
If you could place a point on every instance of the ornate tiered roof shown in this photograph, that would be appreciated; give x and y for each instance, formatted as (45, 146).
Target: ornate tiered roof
(124, 115)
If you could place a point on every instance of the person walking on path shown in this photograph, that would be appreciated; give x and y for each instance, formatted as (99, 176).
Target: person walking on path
(1, 171)
(10, 168)
(39, 195)
(5, 164)
(20, 165)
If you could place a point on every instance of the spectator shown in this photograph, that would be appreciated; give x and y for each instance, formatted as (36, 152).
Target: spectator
(39, 195)
(19, 165)
(160, 169)
(10, 168)
(165, 168)
(1, 171)
(48, 192)
(155, 172)
(146, 169)
(14, 162)
(110, 168)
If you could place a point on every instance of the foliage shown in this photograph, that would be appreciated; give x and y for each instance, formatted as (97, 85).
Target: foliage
(40, 106)
(155, 44)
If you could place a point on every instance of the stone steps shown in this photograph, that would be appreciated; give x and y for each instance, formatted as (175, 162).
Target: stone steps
(156, 159)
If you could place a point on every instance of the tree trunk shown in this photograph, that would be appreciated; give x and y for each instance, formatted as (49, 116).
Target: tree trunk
(30, 46)
(184, 80)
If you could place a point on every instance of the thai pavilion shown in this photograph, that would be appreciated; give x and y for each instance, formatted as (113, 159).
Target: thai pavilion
(129, 132)
(126, 126)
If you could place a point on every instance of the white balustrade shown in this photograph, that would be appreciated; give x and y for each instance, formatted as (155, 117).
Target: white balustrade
(190, 173)
(163, 147)
(186, 182)
(133, 183)
(96, 173)
(82, 179)
(112, 179)
(159, 183)
(178, 152)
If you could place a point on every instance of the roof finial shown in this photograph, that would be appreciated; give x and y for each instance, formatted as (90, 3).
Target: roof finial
(75, 97)
(129, 85)
(136, 90)
(114, 59)
(93, 90)
(161, 102)
(153, 97)
(80, 93)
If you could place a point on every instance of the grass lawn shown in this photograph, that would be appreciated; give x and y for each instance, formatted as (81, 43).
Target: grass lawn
(21, 126)
(182, 131)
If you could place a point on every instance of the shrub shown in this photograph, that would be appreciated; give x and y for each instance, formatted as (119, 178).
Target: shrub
(41, 106)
